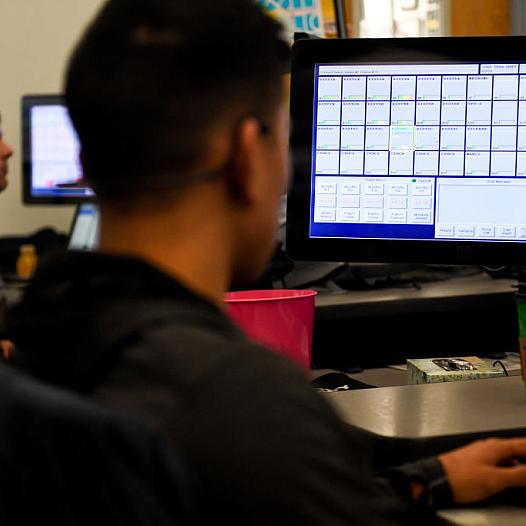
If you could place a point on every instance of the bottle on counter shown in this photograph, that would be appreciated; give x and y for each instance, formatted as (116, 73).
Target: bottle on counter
(26, 262)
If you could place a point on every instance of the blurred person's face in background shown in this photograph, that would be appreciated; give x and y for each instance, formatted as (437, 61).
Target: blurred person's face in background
(5, 153)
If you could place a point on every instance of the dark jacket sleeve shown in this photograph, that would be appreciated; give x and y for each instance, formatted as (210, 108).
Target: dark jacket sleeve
(269, 449)
(431, 474)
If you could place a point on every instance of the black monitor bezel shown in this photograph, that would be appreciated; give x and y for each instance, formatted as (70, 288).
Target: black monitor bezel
(28, 102)
(305, 55)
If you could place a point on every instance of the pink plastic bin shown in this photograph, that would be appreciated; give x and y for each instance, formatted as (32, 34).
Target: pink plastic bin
(281, 319)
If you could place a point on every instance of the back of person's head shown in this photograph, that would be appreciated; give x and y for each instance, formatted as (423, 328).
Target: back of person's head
(151, 79)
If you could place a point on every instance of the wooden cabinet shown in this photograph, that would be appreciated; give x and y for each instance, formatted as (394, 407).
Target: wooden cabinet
(330, 17)
(480, 17)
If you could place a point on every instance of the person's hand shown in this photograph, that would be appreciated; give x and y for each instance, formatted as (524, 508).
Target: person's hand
(6, 349)
(485, 468)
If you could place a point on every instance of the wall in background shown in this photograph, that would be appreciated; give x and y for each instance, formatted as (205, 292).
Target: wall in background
(463, 17)
(36, 37)
(518, 17)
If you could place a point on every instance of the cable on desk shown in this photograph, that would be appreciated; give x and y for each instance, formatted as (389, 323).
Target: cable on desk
(502, 365)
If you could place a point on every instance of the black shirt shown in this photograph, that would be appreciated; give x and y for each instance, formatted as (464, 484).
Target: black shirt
(268, 449)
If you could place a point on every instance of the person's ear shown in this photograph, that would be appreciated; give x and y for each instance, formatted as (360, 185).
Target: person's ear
(246, 167)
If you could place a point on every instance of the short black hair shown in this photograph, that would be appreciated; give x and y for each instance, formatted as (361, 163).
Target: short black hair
(150, 79)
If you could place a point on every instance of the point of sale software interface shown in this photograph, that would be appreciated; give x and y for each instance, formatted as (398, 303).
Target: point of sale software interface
(420, 151)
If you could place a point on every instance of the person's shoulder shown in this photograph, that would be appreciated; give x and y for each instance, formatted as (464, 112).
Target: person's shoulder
(202, 356)
(214, 349)
(219, 371)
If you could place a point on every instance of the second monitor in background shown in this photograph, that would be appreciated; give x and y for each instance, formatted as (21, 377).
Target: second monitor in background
(52, 173)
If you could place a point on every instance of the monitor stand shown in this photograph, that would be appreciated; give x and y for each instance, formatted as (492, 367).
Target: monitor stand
(370, 276)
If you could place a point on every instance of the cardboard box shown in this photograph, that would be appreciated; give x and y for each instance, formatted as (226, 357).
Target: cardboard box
(435, 370)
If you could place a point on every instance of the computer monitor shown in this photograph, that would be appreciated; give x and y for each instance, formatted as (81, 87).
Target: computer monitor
(409, 150)
(85, 230)
(51, 169)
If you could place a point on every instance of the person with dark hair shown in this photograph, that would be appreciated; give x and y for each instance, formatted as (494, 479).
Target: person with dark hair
(5, 153)
(180, 112)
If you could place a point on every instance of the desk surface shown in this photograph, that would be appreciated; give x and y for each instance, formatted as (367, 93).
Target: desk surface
(440, 295)
(432, 410)
(453, 408)
(490, 516)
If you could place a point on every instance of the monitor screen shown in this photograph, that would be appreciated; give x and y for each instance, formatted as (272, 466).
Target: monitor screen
(51, 153)
(85, 231)
(409, 150)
